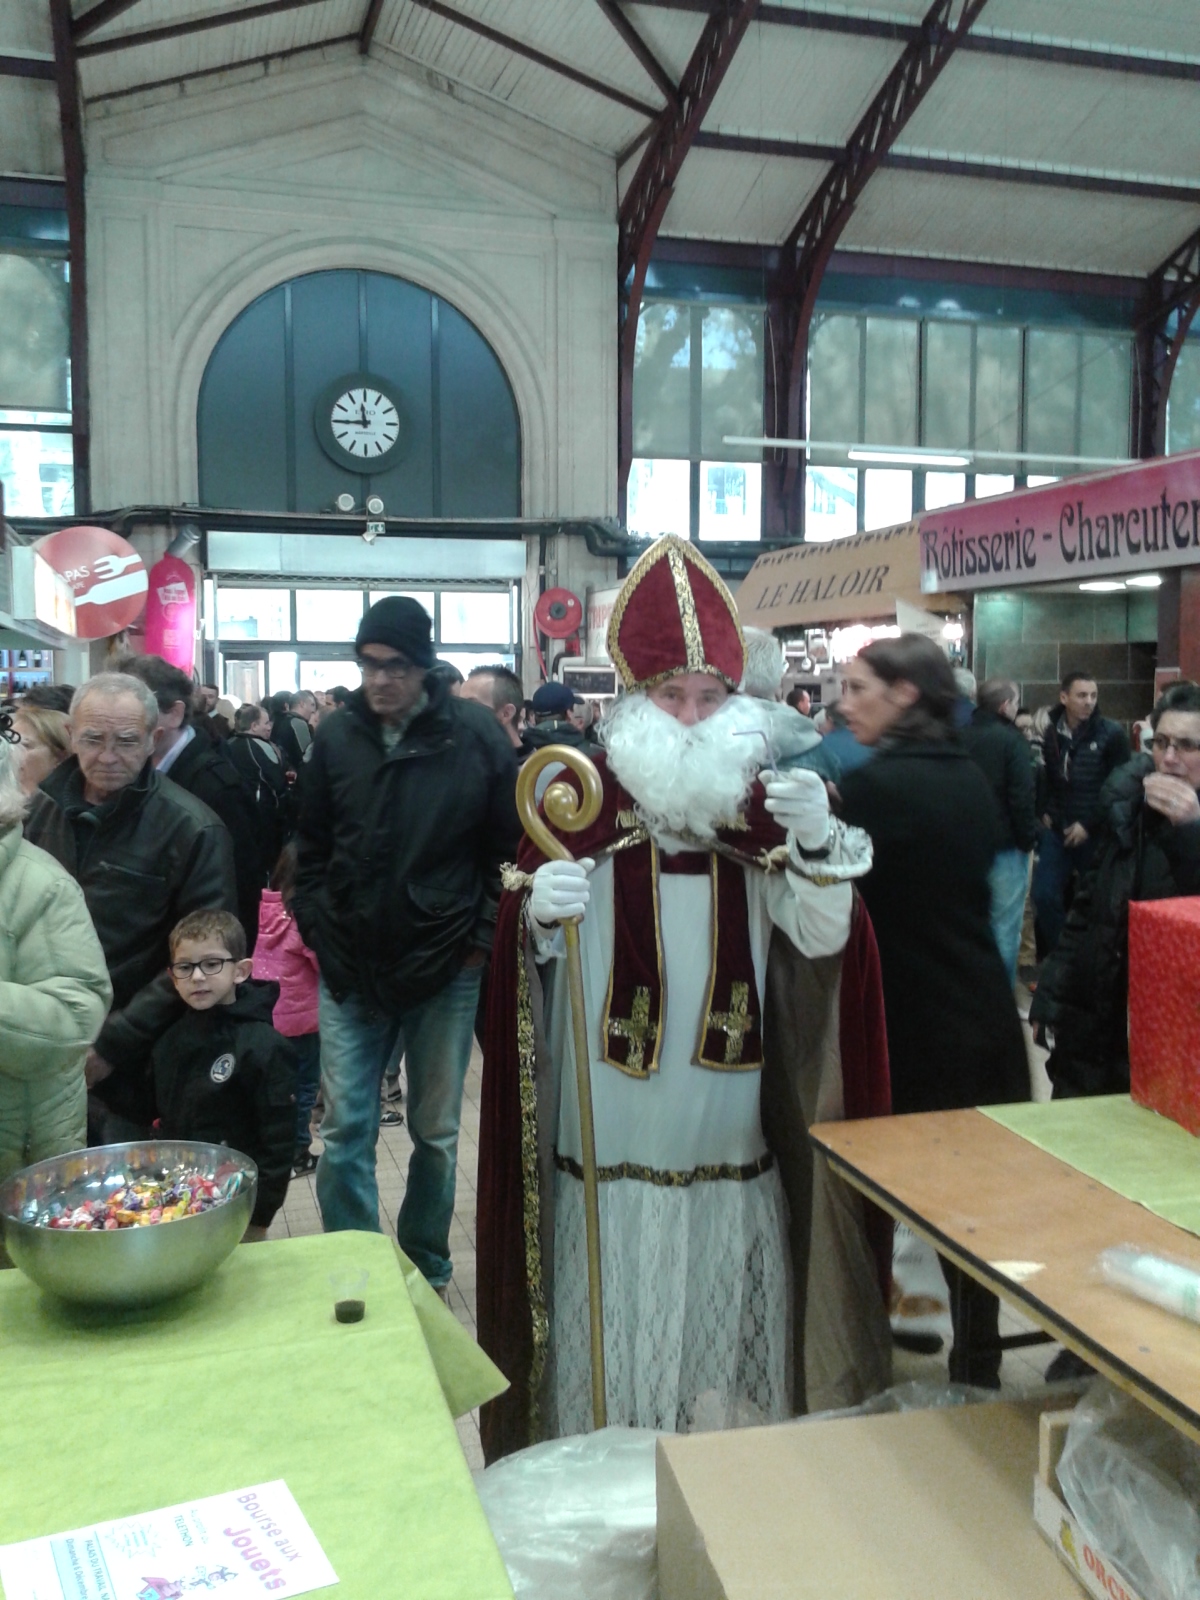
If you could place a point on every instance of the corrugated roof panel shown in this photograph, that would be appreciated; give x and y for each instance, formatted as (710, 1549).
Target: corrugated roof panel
(1168, 26)
(217, 47)
(976, 220)
(526, 86)
(1070, 116)
(800, 84)
(30, 136)
(752, 199)
(672, 35)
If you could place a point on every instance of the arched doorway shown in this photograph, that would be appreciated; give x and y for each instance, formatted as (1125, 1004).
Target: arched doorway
(358, 383)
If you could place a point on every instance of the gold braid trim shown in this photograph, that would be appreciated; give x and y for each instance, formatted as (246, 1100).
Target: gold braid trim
(513, 879)
(526, 1055)
(720, 1172)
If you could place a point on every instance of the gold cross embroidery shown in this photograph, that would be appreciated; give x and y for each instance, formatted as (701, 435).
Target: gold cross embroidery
(637, 1028)
(735, 1023)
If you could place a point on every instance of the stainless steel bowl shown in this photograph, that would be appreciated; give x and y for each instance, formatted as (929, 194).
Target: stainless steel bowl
(129, 1266)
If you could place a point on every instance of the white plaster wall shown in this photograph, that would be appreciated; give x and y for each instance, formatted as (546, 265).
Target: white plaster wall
(200, 201)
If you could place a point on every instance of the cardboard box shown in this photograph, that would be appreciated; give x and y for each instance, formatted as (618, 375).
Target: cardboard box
(1074, 1549)
(1164, 1006)
(918, 1505)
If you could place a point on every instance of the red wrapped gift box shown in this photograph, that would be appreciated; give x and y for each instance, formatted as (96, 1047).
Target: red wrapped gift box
(1164, 1008)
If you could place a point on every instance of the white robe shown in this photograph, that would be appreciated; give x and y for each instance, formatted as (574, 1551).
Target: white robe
(696, 1290)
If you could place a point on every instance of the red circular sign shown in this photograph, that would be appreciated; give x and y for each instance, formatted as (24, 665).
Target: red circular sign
(106, 573)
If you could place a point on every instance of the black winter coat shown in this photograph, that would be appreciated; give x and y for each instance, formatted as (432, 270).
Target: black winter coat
(261, 770)
(152, 854)
(1078, 767)
(1083, 990)
(953, 1030)
(1004, 756)
(203, 769)
(224, 1076)
(400, 851)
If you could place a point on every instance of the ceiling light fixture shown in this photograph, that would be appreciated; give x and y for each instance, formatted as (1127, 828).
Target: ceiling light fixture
(905, 458)
(1102, 585)
(1144, 580)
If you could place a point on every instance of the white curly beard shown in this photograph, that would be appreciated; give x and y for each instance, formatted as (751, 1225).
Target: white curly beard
(686, 780)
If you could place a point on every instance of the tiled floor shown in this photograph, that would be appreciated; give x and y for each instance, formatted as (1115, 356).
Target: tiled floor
(300, 1215)
(1023, 1369)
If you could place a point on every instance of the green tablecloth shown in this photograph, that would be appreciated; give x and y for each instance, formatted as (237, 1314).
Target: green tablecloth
(1137, 1153)
(247, 1379)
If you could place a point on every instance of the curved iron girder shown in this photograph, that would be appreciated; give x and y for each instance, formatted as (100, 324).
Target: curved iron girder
(1171, 301)
(807, 248)
(649, 194)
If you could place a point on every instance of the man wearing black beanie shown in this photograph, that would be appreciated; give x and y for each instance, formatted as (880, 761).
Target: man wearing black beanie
(406, 815)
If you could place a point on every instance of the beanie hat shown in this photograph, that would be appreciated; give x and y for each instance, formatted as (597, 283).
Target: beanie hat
(402, 624)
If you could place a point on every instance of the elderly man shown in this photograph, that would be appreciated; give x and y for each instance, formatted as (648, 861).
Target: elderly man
(714, 918)
(145, 853)
(406, 817)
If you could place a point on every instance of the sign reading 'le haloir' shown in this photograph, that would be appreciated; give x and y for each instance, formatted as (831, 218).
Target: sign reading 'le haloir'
(845, 580)
(1131, 519)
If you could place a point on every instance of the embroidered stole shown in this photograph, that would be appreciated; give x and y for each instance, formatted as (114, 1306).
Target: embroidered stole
(730, 1036)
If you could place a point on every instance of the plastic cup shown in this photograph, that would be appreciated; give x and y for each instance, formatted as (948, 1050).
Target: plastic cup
(349, 1285)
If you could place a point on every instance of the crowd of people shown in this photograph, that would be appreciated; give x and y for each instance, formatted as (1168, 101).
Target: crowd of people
(216, 918)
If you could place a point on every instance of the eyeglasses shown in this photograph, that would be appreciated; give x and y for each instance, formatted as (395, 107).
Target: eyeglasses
(1162, 742)
(126, 743)
(208, 965)
(392, 670)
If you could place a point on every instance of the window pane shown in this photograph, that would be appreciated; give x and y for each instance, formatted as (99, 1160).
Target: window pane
(476, 618)
(659, 498)
(281, 671)
(891, 412)
(990, 483)
(34, 333)
(833, 353)
(730, 500)
(831, 503)
(328, 613)
(731, 381)
(887, 498)
(662, 403)
(321, 676)
(38, 473)
(944, 489)
(1036, 480)
(1051, 385)
(1104, 403)
(1183, 400)
(423, 597)
(464, 660)
(948, 385)
(997, 388)
(245, 681)
(254, 614)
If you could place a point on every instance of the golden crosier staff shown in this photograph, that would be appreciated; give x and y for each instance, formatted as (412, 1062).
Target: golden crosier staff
(572, 813)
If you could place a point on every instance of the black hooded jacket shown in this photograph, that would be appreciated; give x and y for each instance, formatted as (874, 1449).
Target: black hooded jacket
(1083, 991)
(224, 1076)
(400, 850)
(1078, 765)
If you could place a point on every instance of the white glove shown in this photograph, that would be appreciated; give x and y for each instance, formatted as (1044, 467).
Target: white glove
(798, 802)
(560, 891)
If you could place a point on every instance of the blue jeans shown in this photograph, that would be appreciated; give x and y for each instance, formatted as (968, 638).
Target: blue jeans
(1008, 881)
(356, 1046)
(1052, 872)
(308, 1080)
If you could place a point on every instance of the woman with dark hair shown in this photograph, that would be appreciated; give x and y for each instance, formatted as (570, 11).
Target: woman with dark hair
(953, 1030)
(1147, 847)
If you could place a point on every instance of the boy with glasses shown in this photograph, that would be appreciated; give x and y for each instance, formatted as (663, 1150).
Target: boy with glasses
(222, 1075)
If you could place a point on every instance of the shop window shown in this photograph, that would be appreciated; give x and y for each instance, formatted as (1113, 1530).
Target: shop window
(476, 618)
(658, 499)
(944, 489)
(1183, 401)
(887, 497)
(328, 614)
(831, 503)
(730, 500)
(254, 614)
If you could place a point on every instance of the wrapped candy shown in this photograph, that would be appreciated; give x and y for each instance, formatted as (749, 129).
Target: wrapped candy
(139, 1203)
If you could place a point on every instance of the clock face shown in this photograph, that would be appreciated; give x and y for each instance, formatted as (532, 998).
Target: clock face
(365, 423)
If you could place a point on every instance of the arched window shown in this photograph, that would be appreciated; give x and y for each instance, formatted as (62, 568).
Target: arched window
(359, 383)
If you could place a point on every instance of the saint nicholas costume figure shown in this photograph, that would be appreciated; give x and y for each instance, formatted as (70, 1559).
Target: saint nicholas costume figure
(733, 998)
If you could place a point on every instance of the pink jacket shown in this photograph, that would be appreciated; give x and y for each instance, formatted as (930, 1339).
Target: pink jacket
(282, 955)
